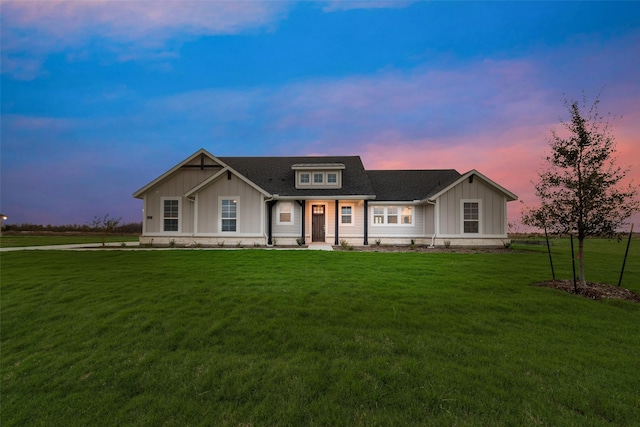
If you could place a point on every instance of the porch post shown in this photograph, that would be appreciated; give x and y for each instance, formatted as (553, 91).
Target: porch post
(366, 223)
(302, 204)
(270, 205)
(337, 243)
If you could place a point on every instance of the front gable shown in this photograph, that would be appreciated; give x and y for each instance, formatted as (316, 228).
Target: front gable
(473, 206)
(194, 170)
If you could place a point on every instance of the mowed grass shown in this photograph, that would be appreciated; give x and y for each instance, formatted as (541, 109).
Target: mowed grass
(294, 338)
(22, 240)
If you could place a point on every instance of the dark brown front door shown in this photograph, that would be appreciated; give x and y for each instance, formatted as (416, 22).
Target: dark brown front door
(317, 223)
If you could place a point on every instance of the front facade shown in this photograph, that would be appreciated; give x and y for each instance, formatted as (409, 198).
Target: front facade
(251, 201)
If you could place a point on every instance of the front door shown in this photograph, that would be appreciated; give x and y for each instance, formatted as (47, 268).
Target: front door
(317, 223)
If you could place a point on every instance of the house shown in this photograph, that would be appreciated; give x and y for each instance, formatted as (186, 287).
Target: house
(288, 200)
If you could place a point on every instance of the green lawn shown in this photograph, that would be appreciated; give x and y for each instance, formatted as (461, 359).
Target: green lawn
(300, 338)
(22, 240)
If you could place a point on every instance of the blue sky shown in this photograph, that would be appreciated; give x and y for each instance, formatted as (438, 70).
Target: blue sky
(100, 97)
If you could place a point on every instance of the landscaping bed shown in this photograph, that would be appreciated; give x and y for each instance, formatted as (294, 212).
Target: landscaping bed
(597, 291)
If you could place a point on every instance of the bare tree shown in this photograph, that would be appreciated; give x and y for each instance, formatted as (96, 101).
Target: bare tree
(105, 224)
(581, 189)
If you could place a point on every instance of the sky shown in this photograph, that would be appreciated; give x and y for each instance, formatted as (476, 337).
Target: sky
(98, 98)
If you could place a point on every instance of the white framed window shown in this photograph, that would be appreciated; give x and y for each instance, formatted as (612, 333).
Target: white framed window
(285, 213)
(170, 214)
(470, 216)
(229, 214)
(346, 215)
(318, 178)
(406, 215)
(393, 215)
(378, 214)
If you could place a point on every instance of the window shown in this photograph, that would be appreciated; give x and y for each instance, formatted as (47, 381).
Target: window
(346, 215)
(229, 215)
(170, 214)
(285, 212)
(393, 215)
(318, 176)
(378, 215)
(406, 216)
(471, 215)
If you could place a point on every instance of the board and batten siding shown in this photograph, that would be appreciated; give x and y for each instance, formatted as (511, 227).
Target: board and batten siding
(174, 187)
(493, 205)
(249, 205)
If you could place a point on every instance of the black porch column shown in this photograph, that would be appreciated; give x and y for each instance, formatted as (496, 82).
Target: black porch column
(302, 204)
(337, 216)
(270, 205)
(366, 223)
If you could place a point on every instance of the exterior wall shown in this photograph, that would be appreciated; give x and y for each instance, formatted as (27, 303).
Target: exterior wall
(399, 234)
(285, 234)
(250, 205)
(175, 186)
(354, 232)
(493, 210)
(329, 220)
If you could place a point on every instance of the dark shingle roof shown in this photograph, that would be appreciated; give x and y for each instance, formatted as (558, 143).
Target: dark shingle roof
(398, 185)
(274, 174)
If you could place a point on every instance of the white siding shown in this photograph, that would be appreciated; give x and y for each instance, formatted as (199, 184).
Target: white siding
(493, 209)
(250, 207)
(174, 186)
(415, 230)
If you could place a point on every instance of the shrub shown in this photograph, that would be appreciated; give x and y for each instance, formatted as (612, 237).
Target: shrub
(346, 246)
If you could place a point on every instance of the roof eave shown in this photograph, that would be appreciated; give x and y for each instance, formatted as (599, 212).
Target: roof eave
(139, 194)
(510, 196)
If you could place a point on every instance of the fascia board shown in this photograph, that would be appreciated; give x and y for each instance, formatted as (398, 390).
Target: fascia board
(138, 194)
(396, 202)
(249, 182)
(509, 194)
(333, 197)
(213, 178)
(206, 182)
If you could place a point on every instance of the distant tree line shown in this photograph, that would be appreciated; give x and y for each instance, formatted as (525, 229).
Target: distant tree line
(104, 224)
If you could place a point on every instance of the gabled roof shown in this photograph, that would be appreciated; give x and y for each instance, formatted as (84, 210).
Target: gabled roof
(214, 177)
(138, 194)
(410, 185)
(276, 176)
(510, 196)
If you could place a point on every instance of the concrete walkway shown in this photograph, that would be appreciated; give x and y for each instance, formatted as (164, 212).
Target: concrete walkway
(134, 245)
(319, 247)
(73, 246)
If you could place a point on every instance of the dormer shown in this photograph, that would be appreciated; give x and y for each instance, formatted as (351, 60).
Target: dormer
(318, 175)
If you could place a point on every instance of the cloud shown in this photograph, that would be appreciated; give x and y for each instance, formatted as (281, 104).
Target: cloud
(490, 115)
(132, 29)
(342, 5)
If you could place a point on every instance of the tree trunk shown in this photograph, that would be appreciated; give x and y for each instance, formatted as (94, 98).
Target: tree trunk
(583, 281)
